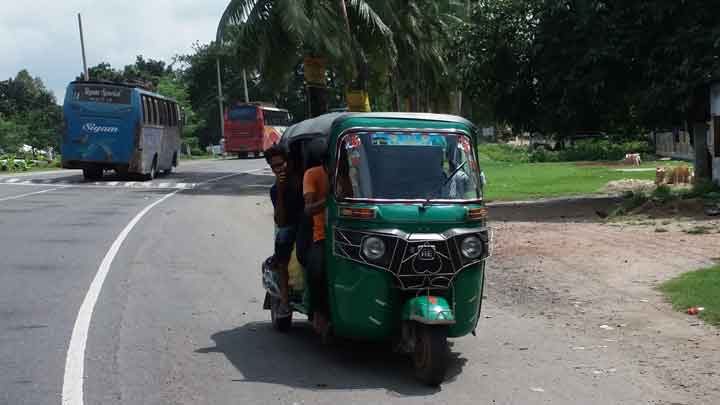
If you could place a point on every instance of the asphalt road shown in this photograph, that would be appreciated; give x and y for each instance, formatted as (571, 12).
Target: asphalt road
(178, 318)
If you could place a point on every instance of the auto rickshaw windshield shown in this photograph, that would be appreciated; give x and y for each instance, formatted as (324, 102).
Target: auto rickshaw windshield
(407, 166)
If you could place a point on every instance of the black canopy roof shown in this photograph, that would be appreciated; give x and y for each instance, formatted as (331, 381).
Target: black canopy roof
(321, 127)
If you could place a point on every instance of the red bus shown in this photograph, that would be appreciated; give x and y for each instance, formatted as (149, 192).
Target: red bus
(253, 128)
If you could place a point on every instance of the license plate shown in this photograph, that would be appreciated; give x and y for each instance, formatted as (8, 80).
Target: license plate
(427, 253)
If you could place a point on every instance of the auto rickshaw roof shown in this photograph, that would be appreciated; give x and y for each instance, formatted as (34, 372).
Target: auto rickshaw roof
(322, 126)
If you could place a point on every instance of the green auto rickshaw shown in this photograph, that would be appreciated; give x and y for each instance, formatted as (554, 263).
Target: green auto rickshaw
(406, 231)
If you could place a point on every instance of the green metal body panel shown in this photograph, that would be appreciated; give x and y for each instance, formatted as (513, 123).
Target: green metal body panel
(467, 298)
(365, 301)
(430, 310)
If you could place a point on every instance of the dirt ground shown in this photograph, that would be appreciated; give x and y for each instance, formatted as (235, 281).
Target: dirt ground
(558, 260)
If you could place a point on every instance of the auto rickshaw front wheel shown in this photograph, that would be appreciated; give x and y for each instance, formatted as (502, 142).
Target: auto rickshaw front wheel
(432, 354)
(281, 324)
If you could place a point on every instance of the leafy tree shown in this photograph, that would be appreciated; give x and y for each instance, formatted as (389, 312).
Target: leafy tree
(103, 71)
(561, 66)
(422, 34)
(147, 72)
(29, 113)
(496, 70)
(12, 135)
(276, 34)
(173, 86)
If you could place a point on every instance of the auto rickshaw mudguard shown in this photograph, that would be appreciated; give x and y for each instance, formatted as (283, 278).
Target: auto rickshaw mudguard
(428, 310)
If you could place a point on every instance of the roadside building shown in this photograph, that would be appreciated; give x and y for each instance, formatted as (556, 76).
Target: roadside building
(676, 143)
(713, 139)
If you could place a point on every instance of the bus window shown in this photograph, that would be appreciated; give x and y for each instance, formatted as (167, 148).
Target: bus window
(148, 105)
(242, 113)
(276, 118)
(146, 111)
(163, 113)
(156, 112)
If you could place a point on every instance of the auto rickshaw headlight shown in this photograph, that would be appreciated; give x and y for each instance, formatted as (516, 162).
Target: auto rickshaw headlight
(373, 248)
(471, 247)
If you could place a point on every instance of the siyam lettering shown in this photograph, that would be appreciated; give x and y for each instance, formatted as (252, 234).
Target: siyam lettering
(99, 129)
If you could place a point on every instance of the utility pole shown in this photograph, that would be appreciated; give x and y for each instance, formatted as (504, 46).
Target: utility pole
(220, 100)
(468, 14)
(247, 98)
(82, 47)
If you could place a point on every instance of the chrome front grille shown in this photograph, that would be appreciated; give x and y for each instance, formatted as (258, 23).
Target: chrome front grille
(418, 261)
(426, 263)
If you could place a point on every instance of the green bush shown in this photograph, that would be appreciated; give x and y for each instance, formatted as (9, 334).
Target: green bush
(589, 150)
(10, 163)
(704, 189)
(500, 152)
(663, 194)
(542, 155)
(602, 150)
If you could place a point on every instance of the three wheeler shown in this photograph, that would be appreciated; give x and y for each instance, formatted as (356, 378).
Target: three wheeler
(406, 231)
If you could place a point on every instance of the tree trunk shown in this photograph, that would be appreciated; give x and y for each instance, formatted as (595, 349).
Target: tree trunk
(317, 101)
(702, 153)
(395, 102)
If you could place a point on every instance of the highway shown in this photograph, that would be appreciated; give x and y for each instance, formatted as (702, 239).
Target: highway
(117, 292)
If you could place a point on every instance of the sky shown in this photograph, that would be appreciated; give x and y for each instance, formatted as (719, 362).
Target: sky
(42, 36)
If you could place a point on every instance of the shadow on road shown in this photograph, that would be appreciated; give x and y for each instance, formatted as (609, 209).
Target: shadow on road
(298, 360)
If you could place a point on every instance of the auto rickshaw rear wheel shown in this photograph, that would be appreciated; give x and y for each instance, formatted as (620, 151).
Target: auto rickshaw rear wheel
(280, 324)
(431, 355)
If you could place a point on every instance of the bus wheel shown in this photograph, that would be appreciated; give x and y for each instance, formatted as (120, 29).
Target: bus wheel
(94, 173)
(153, 170)
(173, 164)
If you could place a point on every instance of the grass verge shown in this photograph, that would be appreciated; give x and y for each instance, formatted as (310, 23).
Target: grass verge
(30, 170)
(520, 181)
(196, 157)
(699, 288)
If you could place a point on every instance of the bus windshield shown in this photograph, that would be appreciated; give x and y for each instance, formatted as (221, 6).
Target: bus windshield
(99, 93)
(407, 166)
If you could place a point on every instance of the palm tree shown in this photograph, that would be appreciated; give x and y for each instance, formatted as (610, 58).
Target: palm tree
(422, 34)
(274, 35)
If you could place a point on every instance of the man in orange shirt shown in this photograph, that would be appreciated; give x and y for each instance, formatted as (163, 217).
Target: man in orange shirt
(315, 189)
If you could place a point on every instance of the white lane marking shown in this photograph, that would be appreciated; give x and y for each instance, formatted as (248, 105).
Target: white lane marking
(56, 185)
(12, 180)
(15, 197)
(72, 393)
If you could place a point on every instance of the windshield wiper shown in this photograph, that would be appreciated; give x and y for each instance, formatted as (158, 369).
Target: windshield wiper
(450, 177)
